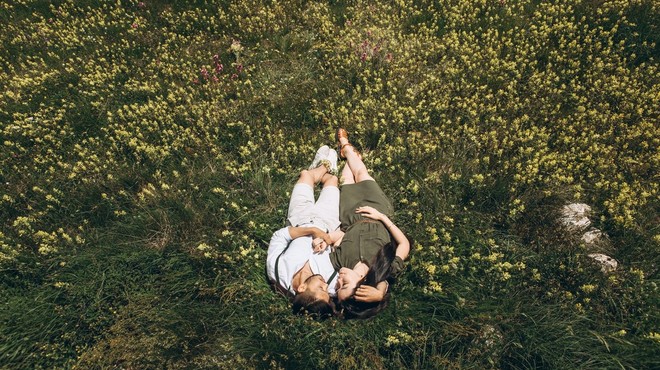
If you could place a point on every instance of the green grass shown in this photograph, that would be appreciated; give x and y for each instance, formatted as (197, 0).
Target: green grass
(139, 192)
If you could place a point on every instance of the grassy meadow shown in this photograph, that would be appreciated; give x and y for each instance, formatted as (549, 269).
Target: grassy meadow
(148, 149)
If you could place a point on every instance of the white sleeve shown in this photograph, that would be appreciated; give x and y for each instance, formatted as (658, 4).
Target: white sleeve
(278, 242)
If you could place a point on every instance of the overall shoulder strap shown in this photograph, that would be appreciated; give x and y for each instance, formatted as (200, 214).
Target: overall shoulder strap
(332, 277)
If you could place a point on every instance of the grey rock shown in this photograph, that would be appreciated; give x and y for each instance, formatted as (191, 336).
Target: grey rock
(607, 263)
(576, 216)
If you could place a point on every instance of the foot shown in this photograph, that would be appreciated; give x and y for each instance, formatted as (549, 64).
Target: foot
(332, 159)
(321, 153)
(342, 141)
(342, 133)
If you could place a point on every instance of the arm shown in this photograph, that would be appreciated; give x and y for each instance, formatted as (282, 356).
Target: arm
(281, 239)
(320, 245)
(298, 231)
(337, 236)
(278, 242)
(403, 245)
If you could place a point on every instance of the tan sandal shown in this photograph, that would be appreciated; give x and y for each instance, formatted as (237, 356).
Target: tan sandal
(342, 133)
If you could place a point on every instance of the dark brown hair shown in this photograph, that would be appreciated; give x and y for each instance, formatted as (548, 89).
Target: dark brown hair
(307, 304)
(379, 270)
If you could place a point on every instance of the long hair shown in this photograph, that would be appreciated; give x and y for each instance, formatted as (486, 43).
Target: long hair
(379, 270)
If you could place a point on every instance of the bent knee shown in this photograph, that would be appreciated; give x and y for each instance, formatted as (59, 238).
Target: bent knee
(331, 181)
(362, 175)
(306, 177)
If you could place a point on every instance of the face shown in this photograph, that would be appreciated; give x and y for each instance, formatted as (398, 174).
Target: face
(317, 285)
(345, 291)
(347, 283)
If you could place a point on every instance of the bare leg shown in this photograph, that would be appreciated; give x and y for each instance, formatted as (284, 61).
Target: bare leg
(355, 163)
(347, 175)
(329, 180)
(312, 177)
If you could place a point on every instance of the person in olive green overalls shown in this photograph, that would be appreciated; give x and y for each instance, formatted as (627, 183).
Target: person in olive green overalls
(370, 248)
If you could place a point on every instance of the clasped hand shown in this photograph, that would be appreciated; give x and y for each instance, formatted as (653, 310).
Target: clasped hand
(321, 241)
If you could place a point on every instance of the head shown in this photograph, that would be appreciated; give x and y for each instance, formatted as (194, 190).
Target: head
(312, 298)
(379, 270)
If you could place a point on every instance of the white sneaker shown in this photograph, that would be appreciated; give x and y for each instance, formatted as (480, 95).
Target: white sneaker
(321, 154)
(332, 158)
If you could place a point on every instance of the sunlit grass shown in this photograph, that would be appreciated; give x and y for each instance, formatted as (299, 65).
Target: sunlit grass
(149, 148)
